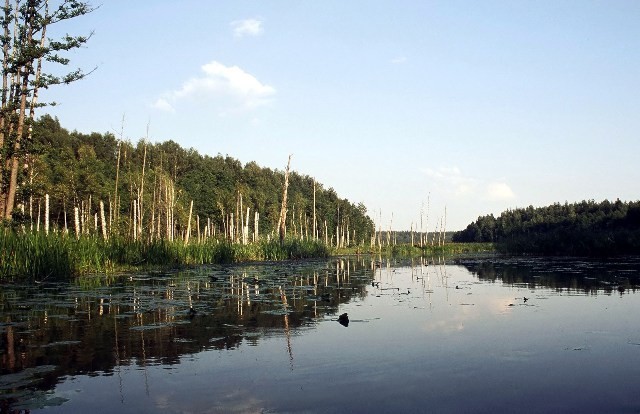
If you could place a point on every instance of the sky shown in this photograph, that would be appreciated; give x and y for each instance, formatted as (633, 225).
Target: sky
(413, 108)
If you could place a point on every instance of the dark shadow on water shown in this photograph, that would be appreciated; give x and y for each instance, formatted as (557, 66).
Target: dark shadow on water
(583, 275)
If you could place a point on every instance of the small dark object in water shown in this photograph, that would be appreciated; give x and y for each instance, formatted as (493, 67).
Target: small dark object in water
(511, 304)
(375, 284)
(621, 289)
(344, 319)
(525, 299)
(457, 287)
(192, 313)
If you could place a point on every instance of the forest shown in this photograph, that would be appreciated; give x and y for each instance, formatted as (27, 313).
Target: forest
(584, 228)
(160, 190)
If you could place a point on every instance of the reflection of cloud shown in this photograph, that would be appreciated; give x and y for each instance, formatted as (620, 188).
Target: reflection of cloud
(247, 27)
(229, 401)
(229, 86)
(443, 326)
(500, 305)
(453, 181)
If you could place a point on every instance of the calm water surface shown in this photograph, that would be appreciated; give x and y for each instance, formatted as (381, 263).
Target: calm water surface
(474, 334)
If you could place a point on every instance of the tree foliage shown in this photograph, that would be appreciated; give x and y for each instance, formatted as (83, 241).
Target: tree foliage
(583, 228)
(26, 49)
(79, 170)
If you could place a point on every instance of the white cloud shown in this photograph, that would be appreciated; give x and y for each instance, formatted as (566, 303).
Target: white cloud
(229, 88)
(453, 181)
(499, 191)
(399, 60)
(247, 27)
(163, 105)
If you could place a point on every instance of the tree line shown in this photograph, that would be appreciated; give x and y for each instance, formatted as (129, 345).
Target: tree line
(102, 184)
(582, 228)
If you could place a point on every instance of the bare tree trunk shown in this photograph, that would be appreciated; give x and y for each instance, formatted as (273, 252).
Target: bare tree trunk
(411, 234)
(141, 197)
(326, 234)
(135, 220)
(283, 207)
(241, 217)
(115, 195)
(64, 207)
(245, 232)
(102, 221)
(198, 227)
(255, 226)
(46, 214)
(152, 231)
(186, 236)
(76, 221)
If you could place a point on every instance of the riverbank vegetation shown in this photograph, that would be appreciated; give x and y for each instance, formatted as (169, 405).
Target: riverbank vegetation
(40, 256)
(100, 185)
(585, 228)
(96, 203)
(93, 203)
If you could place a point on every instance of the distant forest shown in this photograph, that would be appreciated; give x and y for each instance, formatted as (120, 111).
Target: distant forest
(150, 190)
(584, 228)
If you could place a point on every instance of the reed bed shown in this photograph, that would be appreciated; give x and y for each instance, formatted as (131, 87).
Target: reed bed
(407, 250)
(34, 255)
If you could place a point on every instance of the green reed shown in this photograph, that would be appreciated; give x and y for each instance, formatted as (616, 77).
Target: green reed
(59, 255)
(407, 250)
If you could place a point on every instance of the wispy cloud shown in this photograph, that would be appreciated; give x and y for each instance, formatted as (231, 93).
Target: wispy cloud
(398, 60)
(247, 27)
(163, 105)
(229, 87)
(451, 180)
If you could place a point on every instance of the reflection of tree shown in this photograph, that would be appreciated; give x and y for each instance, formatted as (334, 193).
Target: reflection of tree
(585, 275)
(146, 320)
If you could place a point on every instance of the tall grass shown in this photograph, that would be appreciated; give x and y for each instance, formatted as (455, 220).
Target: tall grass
(39, 256)
(59, 255)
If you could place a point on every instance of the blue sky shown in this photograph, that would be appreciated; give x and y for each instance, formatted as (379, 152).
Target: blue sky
(476, 106)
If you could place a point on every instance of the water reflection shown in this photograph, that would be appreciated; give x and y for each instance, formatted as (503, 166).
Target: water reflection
(100, 324)
(585, 276)
(332, 324)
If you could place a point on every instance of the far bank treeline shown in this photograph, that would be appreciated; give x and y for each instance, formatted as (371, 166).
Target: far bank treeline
(148, 191)
(584, 228)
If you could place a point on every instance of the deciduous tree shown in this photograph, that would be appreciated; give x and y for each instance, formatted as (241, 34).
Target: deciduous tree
(26, 49)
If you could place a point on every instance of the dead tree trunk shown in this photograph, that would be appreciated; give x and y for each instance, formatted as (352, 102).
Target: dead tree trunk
(283, 207)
